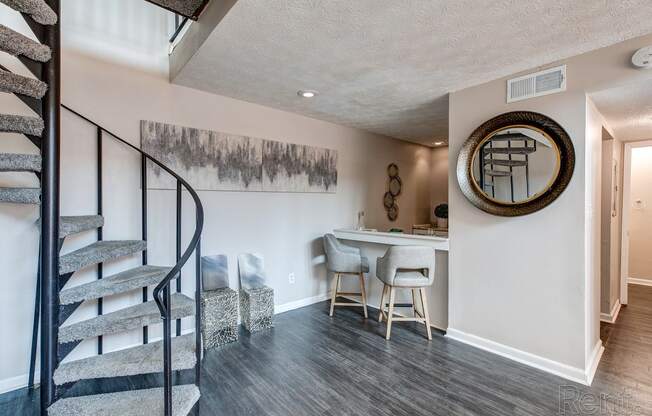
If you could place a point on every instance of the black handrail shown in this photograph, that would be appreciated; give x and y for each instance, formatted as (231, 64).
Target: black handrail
(50, 73)
(162, 290)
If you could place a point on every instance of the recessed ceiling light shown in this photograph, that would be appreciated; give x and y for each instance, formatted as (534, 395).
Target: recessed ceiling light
(307, 93)
(438, 143)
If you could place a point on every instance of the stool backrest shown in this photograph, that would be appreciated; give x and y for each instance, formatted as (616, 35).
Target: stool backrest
(340, 257)
(402, 258)
(251, 270)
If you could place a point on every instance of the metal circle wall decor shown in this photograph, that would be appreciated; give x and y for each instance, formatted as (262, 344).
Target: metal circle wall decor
(388, 200)
(392, 170)
(515, 164)
(392, 213)
(394, 186)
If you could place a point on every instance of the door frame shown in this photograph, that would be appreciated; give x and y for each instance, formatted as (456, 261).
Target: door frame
(625, 209)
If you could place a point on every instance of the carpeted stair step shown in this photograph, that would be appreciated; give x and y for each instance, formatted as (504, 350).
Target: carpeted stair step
(143, 359)
(16, 44)
(501, 162)
(505, 137)
(14, 162)
(18, 84)
(188, 8)
(20, 195)
(79, 223)
(76, 224)
(37, 9)
(510, 150)
(128, 403)
(10, 123)
(126, 319)
(497, 173)
(98, 252)
(126, 281)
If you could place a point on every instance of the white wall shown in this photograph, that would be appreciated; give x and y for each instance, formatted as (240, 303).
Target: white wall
(593, 197)
(526, 286)
(285, 228)
(18, 242)
(640, 214)
(611, 218)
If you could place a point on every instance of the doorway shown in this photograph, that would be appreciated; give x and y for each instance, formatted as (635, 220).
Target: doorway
(610, 228)
(636, 266)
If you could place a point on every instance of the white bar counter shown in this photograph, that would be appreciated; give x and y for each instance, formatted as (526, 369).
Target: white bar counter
(374, 244)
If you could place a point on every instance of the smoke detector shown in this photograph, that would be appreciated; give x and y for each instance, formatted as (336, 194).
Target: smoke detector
(643, 58)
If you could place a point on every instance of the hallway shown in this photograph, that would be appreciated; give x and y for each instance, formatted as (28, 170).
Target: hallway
(626, 365)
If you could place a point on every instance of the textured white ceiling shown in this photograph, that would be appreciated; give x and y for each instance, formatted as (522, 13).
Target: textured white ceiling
(628, 109)
(387, 66)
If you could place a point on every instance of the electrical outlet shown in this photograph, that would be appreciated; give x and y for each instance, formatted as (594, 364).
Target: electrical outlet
(291, 278)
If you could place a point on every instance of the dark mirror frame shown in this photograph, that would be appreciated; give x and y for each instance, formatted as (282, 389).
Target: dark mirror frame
(528, 119)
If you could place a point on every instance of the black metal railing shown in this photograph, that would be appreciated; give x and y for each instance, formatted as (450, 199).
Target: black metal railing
(162, 291)
(49, 244)
(179, 24)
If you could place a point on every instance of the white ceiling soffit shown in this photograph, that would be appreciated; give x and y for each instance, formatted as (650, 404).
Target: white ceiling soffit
(387, 66)
(628, 109)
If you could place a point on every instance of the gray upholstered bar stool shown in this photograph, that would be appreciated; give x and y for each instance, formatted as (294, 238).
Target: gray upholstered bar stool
(342, 259)
(406, 267)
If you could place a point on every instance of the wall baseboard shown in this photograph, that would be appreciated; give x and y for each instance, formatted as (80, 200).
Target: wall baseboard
(285, 307)
(611, 317)
(592, 365)
(18, 382)
(576, 374)
(637, 281)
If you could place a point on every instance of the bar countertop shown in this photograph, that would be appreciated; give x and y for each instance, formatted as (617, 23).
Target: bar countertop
(378, 237)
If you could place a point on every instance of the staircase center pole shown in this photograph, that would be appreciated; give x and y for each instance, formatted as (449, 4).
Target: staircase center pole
(49, 264)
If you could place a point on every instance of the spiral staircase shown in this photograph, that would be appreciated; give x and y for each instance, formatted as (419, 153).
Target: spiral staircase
(97, 385)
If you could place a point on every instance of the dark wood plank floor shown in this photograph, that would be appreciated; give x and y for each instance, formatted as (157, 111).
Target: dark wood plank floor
(311, 364)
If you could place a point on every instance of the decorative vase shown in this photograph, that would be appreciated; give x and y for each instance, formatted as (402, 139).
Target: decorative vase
(442, 222)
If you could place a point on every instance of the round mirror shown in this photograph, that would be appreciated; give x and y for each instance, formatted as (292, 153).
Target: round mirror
(516, 164)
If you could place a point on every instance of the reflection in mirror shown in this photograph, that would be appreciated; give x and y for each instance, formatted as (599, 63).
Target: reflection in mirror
(515, 164)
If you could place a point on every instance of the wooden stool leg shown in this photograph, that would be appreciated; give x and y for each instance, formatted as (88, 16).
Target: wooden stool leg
(336, 280)
(426, 314)
(364, 295)
(414, 303)
(381, 307)
(390, 312)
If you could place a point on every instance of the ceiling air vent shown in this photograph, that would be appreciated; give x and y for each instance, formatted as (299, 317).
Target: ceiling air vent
(540, 83)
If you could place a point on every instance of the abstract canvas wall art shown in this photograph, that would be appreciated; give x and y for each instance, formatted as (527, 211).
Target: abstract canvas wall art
(211, 160)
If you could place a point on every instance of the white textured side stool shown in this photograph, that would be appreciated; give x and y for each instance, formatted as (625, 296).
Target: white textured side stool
(219, 303)
(256, 299)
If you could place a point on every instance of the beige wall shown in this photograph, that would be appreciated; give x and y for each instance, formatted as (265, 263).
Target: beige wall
(125, 85)
(640, 230)
(514, 279)
(438, 179)
(284, 227)
(530, 283)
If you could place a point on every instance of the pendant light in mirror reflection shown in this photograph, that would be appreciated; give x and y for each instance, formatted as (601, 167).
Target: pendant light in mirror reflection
(516, 164)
